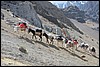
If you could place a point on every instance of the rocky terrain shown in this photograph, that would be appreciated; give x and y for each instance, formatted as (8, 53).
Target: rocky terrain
(44, 8)
(23, 51)
(23, 10)
(75, 13)
(91, 8)
(87, 28)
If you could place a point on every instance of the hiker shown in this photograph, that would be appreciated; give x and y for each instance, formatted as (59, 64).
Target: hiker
(23, 28)
(16, 27)
(75, 43)
(63, 31)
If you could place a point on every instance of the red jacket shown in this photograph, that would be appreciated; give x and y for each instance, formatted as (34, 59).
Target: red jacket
(75, 42)
(22, 26)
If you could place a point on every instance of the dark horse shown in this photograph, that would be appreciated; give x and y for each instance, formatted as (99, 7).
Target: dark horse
(48, 36)
(35, 32)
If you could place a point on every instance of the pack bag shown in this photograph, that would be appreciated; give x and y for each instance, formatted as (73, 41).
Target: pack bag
(75, 42)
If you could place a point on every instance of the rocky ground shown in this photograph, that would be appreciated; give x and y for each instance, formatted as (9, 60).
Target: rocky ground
(86, 28)
(38, 53)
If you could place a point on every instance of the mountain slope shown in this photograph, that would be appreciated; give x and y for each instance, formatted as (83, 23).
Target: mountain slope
(52, 13)
(91, 8)
(44, 8)
(22, 9)
(75, 13)
(38, 53)
(86, 29)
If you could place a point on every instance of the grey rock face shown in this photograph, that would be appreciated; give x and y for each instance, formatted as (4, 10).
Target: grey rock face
(75, 13)
(24, 10)
(52, 13)
(91, 8)
(2, 15)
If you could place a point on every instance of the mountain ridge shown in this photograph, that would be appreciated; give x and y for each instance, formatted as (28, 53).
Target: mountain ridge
(91, 8)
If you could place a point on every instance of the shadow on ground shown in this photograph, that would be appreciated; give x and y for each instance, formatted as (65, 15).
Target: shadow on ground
(87, 54)
(72, 53)
(42, 43)
(53, 46)
(47, 45)
(26, 40)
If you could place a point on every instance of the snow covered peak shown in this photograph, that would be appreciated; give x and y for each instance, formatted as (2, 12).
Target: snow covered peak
(63, 4)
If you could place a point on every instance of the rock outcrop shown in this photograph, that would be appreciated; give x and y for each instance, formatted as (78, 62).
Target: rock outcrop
(2, 15)
(91, 8)
(23, 10)
(75, 13)
(52, 13)
(29, 10)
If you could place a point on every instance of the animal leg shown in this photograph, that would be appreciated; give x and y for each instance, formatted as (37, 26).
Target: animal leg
(56, 43)
(75, 47)
(47, 41)
(72, 47)
(94, 53)
(35, 38)
(32, 36)
(78, 46)
(52, 41)
(62, 44)
(23, 34)
(41, 38)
